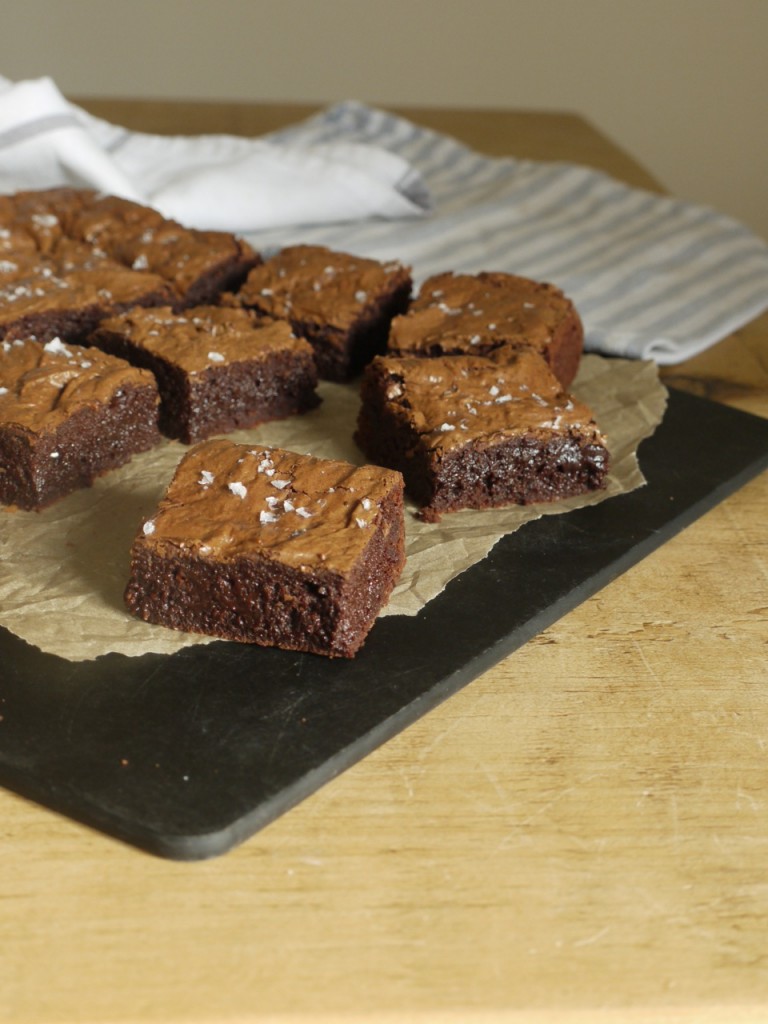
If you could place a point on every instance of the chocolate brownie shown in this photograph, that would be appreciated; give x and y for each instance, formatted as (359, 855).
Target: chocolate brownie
(476, 314)
(342, 304)
(67, 291)
(218, 368)
(476, 432)
(67, 415)
(269, 547)
(69, 257)
(199, 265)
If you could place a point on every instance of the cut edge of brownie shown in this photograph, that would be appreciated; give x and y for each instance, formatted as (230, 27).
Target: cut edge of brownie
(226, 276)
(39, 468)
(193, 408)
(257, 600)
(520, 470)
(340, 354)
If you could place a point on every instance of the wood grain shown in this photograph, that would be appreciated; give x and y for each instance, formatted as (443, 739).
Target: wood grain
(580, 835)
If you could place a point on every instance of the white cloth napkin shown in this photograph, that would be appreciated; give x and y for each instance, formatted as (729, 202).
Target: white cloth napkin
(209, 181)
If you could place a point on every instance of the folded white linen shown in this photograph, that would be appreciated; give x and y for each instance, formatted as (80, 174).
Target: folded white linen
(209, 181)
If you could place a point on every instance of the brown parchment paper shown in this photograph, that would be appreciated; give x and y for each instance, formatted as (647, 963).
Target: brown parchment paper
(63, 570)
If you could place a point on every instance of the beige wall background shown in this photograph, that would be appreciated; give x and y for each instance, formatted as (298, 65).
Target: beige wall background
(680, 84)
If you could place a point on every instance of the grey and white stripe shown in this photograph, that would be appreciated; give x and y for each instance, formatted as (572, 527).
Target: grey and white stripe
(652, 276)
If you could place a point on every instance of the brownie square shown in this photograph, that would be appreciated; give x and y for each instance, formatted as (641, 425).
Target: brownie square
(67, 291)
(198, 265)
(218, 369)
(476, 314)
(188, 267)
(475, 432)
(67, 415)
(266, 546)
(342, 304)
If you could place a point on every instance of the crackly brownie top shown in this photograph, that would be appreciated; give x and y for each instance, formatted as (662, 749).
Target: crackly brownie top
(229, 500)
(137, 238)
(452, 400)
(461, 312)
(69, 277)
(204, 336)
(313, 284)
(144, 240)
(41, 385)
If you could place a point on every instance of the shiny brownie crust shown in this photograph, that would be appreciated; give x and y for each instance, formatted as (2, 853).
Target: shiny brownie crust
(231, 551)
(67, 418)
(469, 432)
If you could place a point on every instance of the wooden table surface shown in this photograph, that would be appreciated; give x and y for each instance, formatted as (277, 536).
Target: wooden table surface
(579, 835)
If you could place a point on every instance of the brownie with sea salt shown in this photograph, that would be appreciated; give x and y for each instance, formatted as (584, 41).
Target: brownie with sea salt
(67, 291)
(218, 368)
(70, 256)
(476, 314)
(479, 432)
(266, 546)
(67, 415)
(198, 265)
(342, 304)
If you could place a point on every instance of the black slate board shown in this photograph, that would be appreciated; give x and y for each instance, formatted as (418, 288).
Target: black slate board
(189, 754)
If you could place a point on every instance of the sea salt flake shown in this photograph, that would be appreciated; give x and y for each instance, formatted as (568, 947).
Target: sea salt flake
(503, 398)
(216, 357)
(288, 505)
(55, 455)
(238, 488)
(280, 484)
(149, 527)
(304, 513)
(140, 263)
(446, 426)
(4, 391)
(361, 522)
(206, 478)
(493, 390)
(7, 267)
(367, 504)
(267, 517)
(57, 346)
(360, 295)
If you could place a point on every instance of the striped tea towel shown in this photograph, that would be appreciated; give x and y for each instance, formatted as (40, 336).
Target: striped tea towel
(653, 277)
